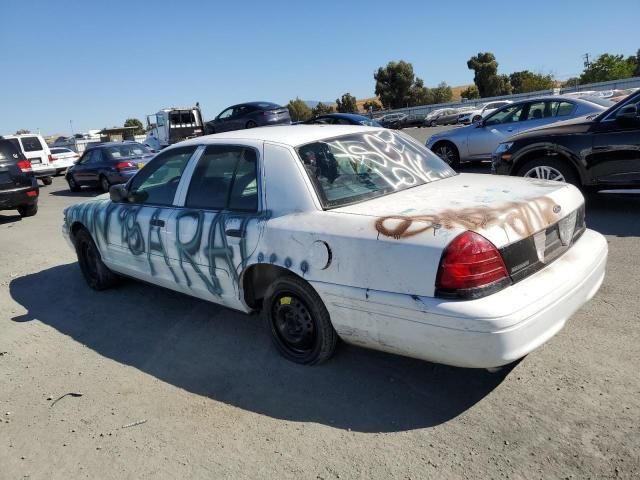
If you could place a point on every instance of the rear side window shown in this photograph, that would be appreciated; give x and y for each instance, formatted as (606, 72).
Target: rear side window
(225, 178)
(31, 144)
(8, 151)
(561, 109)
(157, 182)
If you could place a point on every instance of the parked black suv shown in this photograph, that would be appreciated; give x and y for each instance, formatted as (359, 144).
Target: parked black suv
(600, 151)
(18, 187)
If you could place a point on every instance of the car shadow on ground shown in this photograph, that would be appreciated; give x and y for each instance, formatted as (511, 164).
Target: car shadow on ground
(9, 218)
(614, 213)
(84, 193)
(227, 356)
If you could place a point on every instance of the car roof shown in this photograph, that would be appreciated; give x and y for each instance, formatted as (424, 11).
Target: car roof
(353, 116)
(291, 135)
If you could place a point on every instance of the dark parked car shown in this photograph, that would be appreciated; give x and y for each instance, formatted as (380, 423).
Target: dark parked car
(249, 115)
(18, 186)
(344, 119)
(107, 164)
(413, 120)
(597, 151)
(392, 120)
(443, 116)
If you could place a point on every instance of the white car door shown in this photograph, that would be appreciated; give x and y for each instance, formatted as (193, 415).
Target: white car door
(218, 225)
(135, 231)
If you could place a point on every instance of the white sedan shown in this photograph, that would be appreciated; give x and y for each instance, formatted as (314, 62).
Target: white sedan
(357, 233)
(62, 158)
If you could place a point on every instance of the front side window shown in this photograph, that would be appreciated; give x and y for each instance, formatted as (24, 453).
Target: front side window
(506, 115)
(225, 178)
(157, 182)
(357, 167)
(31, 144)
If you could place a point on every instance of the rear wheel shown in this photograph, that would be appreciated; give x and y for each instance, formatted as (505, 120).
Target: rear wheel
(251, 124)
(28, 210)
(448, 152)
(47, 180)
(95, 272)
(549, 168)
(73, 185)
(104, 184)
(299, 322)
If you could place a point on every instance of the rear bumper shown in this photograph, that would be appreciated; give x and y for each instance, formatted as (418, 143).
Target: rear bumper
(483, 333)
(40, 171)
(63, 163)
(10, 199)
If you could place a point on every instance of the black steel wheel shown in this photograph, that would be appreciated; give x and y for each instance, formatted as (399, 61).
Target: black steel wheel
(73, 185)
(299, 322)
(104, 184)
(448, 152)
(251, 124)
(95, 272)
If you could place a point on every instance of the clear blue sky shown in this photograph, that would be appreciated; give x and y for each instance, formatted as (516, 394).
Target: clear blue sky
(98, 63)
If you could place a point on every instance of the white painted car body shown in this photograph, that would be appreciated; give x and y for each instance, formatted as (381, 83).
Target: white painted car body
(63, 158)
(373, 263)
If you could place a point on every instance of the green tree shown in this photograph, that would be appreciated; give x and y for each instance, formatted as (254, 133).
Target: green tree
(526, 81)
(608, 67)
(298, 110)
(442, 93)
(347, 104)
(470, 93)
(486, 77)
(22, 131)
(134, 122)
(321, 109)
(636, 72)
(419, 94)
(371, 105)
(393, 83)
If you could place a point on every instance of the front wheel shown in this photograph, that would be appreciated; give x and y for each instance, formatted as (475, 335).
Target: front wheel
(95, 272)
(475, 119)
(548, 168)
(73, 185)
(299, 322)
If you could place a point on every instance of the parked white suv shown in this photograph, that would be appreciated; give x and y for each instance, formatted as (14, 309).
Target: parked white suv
(472, 116)
(37, 152)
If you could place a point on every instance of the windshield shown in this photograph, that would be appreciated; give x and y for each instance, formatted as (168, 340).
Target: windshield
(369, 122)
(128, 150)
(360, 166)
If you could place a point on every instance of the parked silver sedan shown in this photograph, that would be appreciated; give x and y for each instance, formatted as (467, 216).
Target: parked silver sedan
(479, 140)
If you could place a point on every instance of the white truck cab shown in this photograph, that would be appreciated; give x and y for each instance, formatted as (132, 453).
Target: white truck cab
(172, 125)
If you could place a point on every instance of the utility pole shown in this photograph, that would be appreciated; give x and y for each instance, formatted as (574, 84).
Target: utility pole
(586, 60)
(71, 124)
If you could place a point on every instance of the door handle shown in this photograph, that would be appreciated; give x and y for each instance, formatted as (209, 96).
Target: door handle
(233, 232)
(156, 223)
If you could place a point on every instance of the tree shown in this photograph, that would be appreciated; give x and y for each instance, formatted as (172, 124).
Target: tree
(470, 93)
(486, 77)
(442, 93)
(22, 131)
(371, 105)
(298, 110)
(393, 83)
(636, 72)
(608, 67)
(526, 81)
(347, 104)
(571, 82)
(419, 94)
(321, 109)
(134, 122)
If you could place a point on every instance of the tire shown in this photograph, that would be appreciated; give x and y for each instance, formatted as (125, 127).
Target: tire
(448, 152)
(28, 210)
(104, 184)
(47, 180)
(549, 168)
(251, 124)
(73, 186)
(432, 123)
(475, 119)
(299, 322)
(95, 272)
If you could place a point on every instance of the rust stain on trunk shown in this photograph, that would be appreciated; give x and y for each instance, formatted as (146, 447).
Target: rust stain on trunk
(524, 217)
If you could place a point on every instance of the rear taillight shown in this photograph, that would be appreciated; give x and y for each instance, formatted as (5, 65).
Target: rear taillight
(469, 265)
(124, 165)
(25, 166)
(51, 159)
(32, 193)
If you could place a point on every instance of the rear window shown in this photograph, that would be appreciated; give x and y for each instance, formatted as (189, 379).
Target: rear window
(357, 167)
(268, 106)
(60, 150)
(31, 144)
(182, 118)
(8, 151)
(128, 150)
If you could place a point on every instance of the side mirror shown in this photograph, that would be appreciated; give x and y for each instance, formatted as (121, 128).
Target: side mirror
(628, 113)
(118, 193)
(479, 124)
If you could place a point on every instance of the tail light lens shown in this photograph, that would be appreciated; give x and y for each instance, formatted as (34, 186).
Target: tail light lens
(470, 265)
(124, 165)
(25, 166)
(32, 193)
(51, 159)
